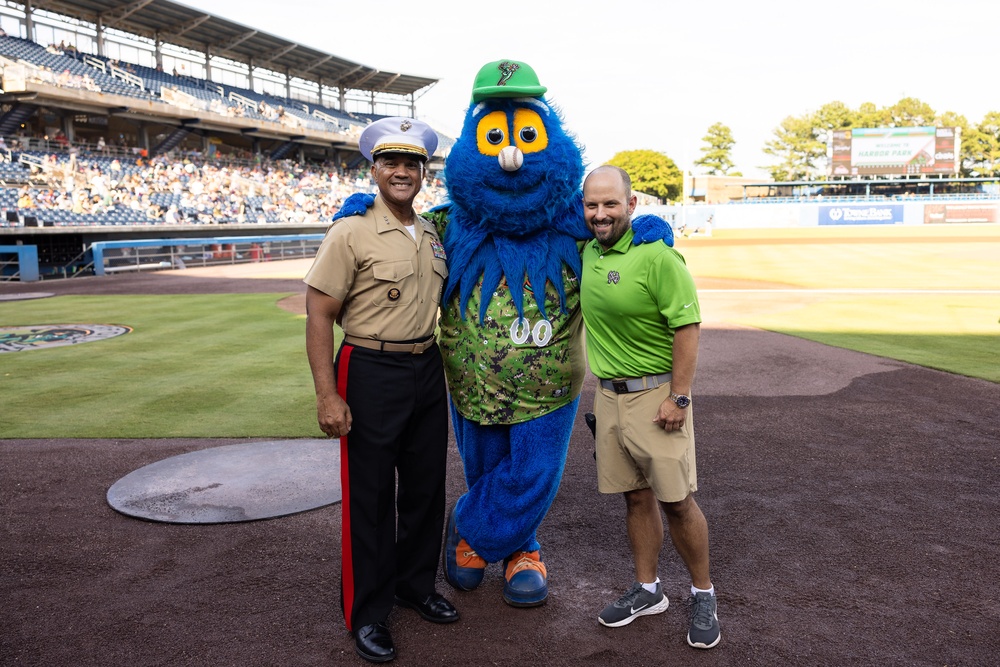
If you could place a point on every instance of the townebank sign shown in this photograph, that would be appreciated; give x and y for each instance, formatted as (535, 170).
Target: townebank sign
(862, 214)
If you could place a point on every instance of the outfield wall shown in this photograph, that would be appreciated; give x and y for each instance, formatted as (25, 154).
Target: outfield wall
(693, 218)
(155, 247)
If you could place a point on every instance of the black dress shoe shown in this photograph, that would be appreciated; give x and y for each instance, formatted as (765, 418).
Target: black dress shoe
(374, 643)
(433, 607)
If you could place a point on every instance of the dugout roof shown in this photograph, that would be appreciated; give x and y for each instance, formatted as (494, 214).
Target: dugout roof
(194, 29)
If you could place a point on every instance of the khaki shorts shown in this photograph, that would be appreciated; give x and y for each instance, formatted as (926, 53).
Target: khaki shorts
(634, 453)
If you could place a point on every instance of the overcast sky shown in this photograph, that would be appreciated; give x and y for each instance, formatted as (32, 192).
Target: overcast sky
(655, 74)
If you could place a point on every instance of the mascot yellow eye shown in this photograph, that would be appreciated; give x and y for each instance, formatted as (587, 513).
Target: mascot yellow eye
(529, 131)
(491, 133)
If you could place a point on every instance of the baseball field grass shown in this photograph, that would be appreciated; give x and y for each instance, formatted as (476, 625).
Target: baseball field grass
(235, 365)
(193, 366)
(925, 295)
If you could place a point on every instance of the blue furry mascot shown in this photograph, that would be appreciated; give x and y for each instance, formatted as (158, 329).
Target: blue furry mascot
(510, 324)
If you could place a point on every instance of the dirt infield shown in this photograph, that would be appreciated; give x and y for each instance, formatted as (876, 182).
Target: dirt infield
(852, 503)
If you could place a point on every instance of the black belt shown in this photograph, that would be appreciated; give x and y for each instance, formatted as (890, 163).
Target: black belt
(383, 346)
(628, 385)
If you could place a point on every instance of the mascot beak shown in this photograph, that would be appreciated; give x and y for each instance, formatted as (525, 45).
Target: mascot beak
(511, 158)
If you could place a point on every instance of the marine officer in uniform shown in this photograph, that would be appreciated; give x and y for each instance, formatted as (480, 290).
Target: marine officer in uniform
(379, 275)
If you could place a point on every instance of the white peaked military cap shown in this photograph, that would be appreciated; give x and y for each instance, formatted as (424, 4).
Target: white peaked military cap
(398, 135)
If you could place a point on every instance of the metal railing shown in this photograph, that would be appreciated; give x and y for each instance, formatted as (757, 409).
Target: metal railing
(160, 254)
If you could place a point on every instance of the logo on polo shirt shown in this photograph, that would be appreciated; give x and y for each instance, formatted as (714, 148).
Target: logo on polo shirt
(614, 277)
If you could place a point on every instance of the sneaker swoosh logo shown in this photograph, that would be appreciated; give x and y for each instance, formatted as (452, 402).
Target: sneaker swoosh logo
(634, 610)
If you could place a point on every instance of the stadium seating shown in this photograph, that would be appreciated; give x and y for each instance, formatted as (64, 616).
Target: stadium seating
(142, 192)
(97, 71)
(53, 63)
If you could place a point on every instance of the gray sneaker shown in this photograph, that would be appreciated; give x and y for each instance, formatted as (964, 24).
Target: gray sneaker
(636, 602)
(704, 631)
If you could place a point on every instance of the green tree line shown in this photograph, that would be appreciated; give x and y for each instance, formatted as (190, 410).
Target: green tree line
(800, 145)
(800, 142)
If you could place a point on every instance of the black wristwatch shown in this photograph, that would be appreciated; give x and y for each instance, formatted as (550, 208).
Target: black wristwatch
(681, 400)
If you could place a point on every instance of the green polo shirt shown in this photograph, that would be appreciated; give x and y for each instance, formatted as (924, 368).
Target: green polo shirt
(633, 298)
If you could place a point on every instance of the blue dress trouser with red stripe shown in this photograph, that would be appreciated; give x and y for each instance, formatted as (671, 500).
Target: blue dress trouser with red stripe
(391, 540)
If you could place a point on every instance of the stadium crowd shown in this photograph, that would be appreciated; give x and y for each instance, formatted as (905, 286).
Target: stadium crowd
(191, 189)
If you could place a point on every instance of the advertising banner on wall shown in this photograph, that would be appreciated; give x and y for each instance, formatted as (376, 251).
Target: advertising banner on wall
(934, 213)
(861, 214)
(894, 150)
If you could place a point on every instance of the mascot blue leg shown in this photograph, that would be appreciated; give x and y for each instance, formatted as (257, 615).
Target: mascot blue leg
(513, 473)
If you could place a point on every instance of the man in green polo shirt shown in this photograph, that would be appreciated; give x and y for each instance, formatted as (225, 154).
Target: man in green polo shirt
(642, 319)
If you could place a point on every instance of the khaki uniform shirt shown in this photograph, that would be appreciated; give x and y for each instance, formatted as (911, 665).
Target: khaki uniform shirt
(389, 282)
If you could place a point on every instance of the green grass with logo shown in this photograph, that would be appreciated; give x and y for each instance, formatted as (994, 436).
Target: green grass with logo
(193, 366)
(235, 365)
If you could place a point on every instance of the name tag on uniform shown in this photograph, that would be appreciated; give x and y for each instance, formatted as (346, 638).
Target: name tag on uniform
(438, 249)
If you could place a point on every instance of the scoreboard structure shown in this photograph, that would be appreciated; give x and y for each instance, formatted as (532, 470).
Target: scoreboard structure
(895, 150)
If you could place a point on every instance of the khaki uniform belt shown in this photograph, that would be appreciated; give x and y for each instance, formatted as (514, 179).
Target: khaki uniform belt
(628, 385)
(382, 346)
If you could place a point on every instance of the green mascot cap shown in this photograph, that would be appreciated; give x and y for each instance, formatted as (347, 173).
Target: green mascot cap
(506, 78)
